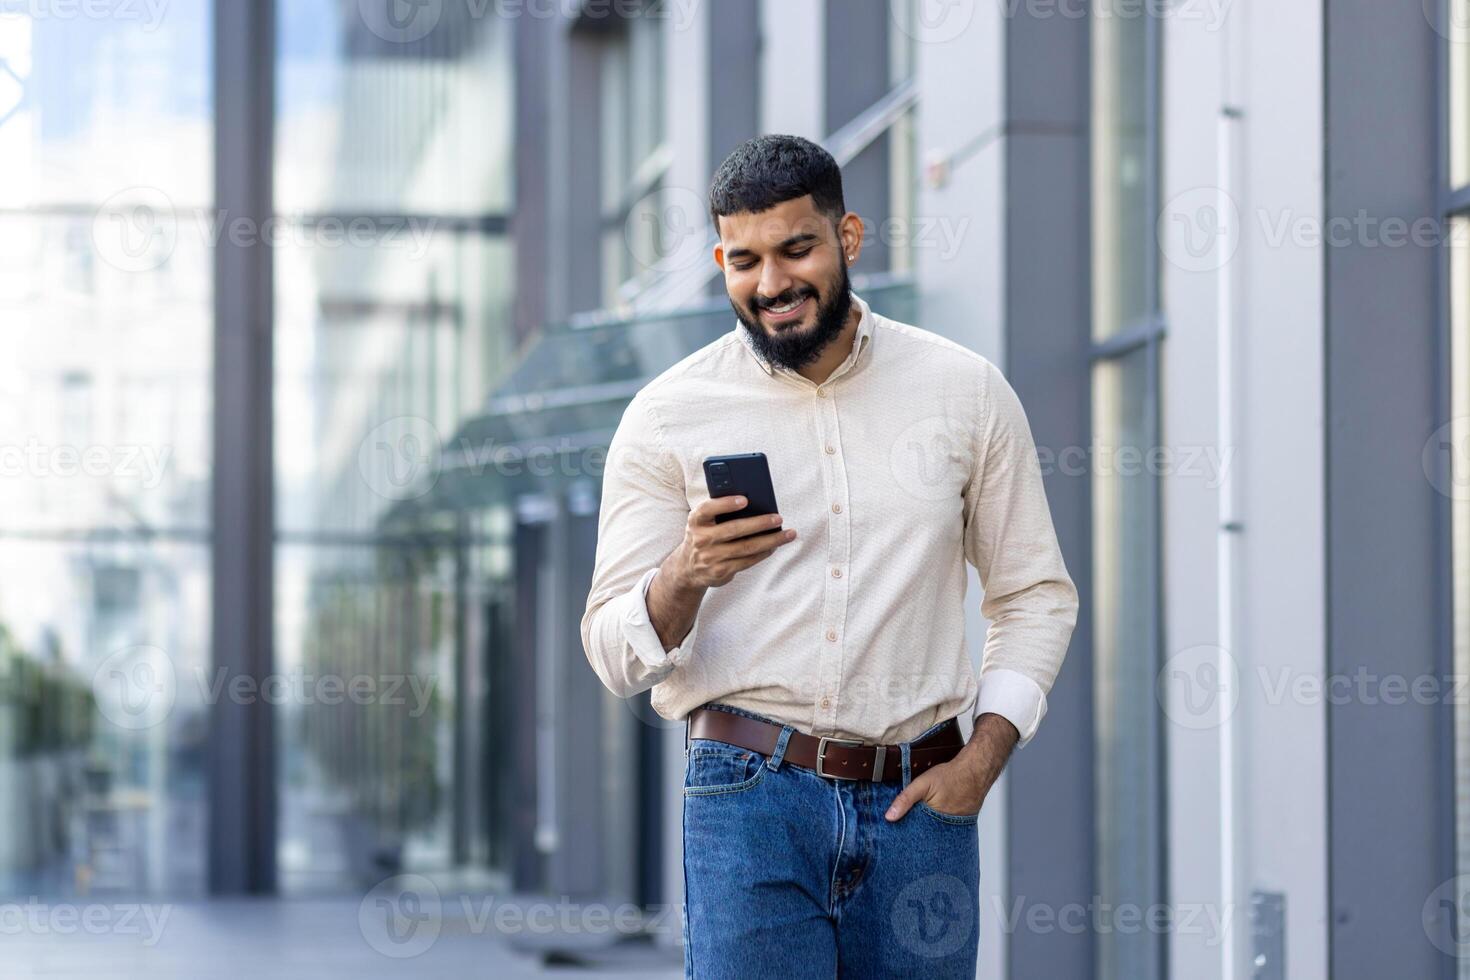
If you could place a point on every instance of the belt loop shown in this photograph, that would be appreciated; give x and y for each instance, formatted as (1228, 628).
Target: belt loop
(688, 727)
(903, 750)
(779, 753)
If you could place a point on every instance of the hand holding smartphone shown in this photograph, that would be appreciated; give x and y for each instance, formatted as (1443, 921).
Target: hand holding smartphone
(724, 535)
(745, 474)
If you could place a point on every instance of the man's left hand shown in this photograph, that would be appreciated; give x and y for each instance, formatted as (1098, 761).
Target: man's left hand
(959, 786)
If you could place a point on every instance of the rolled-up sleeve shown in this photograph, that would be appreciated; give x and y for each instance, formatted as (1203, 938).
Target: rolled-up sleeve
(1030, 599)
(642, 519)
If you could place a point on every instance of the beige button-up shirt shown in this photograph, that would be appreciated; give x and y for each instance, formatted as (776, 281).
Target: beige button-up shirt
(913, 458)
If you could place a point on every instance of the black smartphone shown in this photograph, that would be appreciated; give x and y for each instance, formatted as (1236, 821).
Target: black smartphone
(747, 474)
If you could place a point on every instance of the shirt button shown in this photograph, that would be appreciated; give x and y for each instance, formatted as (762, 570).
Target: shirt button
(836, 573)
(832, 634)
(821, 392)
(826, 702)
(830, 450)
(836, 508)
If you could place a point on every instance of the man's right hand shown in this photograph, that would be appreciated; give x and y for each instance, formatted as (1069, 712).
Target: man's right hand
(710, 555)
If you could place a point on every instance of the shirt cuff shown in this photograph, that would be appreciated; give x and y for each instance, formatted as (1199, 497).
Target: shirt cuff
(643, 638)
(1015, 697)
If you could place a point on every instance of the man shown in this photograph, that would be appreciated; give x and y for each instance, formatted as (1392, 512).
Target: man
(830, 799)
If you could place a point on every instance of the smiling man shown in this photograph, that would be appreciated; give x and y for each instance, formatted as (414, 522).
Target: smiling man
(830, 795)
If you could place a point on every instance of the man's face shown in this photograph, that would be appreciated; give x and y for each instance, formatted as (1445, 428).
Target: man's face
(787, 279)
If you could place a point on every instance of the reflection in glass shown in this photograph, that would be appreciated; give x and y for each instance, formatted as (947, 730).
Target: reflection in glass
(1456, 452)
(393, 292)
(1128, 752)
(1123, 244)
(105, 460)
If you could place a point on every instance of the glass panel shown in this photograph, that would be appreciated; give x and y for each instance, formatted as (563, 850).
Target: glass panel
(1123, 166)
(389, 601)
(636, 218)
(106, 139)
(1458, 447)
(1128, 780)
(1457, 33)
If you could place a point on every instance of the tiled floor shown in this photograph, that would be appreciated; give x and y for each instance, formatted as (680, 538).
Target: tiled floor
(290, 939)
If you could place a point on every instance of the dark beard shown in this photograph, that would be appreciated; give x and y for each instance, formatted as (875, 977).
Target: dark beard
(795, 351)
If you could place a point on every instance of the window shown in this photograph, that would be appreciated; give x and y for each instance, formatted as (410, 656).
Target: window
(393, 281)
(106, 138)
(1127, 333)
(1447, 458)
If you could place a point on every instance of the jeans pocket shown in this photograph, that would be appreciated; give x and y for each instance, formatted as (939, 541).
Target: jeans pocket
(957, 819)
(715, 768)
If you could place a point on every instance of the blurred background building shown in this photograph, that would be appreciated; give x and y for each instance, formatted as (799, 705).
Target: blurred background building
(318, 316)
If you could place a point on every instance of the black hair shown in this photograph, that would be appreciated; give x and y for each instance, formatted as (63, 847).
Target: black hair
(766, 170)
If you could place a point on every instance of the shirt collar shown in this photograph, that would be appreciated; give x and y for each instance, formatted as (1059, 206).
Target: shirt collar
(860, 342)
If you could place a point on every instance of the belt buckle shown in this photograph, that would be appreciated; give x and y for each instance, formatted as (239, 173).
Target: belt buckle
(822, 744)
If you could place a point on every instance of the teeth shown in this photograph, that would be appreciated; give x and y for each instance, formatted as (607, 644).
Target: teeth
(785, 309)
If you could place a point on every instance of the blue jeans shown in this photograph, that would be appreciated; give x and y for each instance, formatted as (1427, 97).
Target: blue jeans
(790, 874)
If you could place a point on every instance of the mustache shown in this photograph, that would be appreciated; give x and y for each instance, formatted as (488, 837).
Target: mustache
(786, 298)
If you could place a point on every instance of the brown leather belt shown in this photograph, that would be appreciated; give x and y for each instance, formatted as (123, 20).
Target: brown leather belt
(832, 757)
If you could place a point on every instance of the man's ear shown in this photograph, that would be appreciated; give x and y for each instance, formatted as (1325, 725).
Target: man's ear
(850, 233)
(720, 256)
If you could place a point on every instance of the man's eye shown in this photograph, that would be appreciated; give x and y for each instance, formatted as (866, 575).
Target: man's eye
(802, 254)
